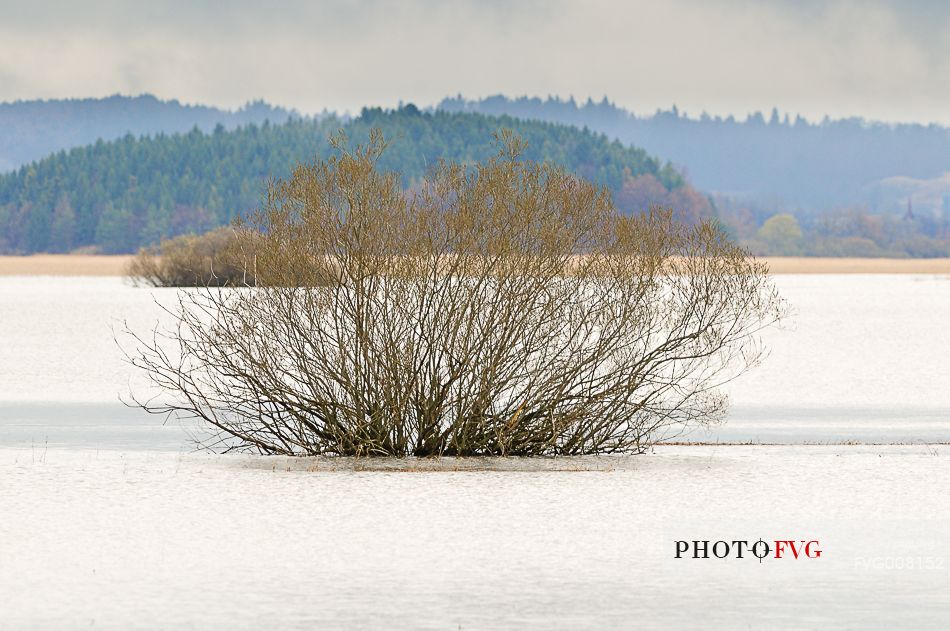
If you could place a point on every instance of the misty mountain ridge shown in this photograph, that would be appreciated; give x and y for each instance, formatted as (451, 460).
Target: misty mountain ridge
(31, 130)
(779, 186)
(780, 161)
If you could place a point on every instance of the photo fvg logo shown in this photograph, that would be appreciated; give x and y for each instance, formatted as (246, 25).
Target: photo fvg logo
(741, 548)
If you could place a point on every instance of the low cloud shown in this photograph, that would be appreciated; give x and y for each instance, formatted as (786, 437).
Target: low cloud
(880, 59)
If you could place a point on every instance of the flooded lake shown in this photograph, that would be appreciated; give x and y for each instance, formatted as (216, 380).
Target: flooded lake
(109, 519)
(863, 358)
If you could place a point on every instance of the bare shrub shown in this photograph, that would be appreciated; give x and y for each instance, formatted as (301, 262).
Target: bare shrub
(504, 308)
(218, 258)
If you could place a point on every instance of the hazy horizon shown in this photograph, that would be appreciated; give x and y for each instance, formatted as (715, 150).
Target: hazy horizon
(739, 117)
(879, 60)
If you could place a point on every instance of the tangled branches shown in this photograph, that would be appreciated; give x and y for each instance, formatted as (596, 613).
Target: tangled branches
(502, 308)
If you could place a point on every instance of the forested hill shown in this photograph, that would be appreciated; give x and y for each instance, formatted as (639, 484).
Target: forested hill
(786, 162)
(123, 194)
(30, 130)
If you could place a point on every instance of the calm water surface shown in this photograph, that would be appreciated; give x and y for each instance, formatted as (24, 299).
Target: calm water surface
(109, 519)
(863, 358)
(141, 539)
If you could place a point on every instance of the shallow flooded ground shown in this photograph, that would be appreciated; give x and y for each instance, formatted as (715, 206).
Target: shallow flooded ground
(114, 539)
(110, 519)
(863, 358)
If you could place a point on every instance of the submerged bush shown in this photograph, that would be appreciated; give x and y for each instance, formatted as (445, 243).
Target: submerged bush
(501, 308)
(216, 259)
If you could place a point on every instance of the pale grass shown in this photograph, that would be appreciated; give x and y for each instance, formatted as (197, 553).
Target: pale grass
(116, 265)
(819, 265)
(64, 265)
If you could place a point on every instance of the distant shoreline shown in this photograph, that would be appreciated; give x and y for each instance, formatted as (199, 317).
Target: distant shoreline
(845, 265)
(115, 265)
(64, 265)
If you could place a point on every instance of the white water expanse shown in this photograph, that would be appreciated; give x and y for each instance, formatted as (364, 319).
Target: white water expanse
(108, 519)
(141, 539)
(863, 358)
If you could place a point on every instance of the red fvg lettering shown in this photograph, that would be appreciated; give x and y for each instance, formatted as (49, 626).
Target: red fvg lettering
(805, 548)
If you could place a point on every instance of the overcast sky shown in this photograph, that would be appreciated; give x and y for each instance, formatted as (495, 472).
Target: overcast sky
(881, 59)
